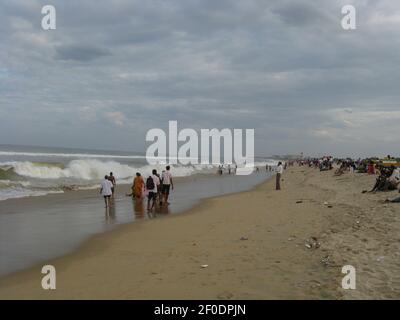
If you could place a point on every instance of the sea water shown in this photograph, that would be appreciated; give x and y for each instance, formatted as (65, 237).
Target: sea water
(52, 223)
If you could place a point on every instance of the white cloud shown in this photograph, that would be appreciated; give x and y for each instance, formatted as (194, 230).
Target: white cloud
(117, 118)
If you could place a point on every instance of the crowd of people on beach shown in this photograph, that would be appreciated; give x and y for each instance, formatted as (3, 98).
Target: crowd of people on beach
(387, 170)
(156, 188)
(231, 169)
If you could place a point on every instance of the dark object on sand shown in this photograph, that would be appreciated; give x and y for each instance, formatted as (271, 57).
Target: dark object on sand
(383, 182)
(312, 243)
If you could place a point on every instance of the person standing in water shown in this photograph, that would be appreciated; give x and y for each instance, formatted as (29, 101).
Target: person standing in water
(112, 180)
(167, 183)
(279, 171)
(151, 188)
(137, 187)
(159, 186)
(106, 191)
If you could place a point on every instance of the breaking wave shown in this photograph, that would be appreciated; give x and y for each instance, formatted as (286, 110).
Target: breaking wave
(85, 169)
(25, 178)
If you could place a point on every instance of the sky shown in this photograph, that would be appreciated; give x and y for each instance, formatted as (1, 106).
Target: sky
(112, 70)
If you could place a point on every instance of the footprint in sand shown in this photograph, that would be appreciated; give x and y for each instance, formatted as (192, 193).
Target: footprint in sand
(225, 295)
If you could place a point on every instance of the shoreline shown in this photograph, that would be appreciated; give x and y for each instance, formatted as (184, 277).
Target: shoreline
(253, 243)
(20, 284)
(57, 224)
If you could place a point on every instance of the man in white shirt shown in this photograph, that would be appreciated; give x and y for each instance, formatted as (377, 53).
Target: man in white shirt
(167, 183)
(279, 171)
(106, 191)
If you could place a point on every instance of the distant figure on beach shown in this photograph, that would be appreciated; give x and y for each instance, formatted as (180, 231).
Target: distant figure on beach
(151, 189)
(106, 191)
(220, 170)
(112, 180)
(279, 171)
(371, 168)
(167, 183)
(229, 169)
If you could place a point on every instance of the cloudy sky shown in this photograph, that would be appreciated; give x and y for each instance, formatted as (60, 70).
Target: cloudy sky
(114, 69)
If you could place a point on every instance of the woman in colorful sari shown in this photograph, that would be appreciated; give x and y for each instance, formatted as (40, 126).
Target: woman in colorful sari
(138, 186)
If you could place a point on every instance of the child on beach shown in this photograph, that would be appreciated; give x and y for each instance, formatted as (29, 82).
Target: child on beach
(106, 191)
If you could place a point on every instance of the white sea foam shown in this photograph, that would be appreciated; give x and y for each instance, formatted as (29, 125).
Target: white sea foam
(68, 155)
(12, 193)
(44, 178)
(92, 169)
(10, 183)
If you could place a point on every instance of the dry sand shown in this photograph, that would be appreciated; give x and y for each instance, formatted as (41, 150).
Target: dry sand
(253, 243)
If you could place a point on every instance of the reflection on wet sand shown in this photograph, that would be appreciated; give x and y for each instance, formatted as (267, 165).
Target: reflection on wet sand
(141, 212)
(110, 214)
(162, 210)
(53, 225)
(138, 208)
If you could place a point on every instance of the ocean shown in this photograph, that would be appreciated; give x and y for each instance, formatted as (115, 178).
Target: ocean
(50, 203)
(36, 171)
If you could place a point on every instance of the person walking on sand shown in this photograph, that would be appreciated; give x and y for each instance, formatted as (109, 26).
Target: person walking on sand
(167, 183)
(106, 191)
(279, 171)
(151, 189)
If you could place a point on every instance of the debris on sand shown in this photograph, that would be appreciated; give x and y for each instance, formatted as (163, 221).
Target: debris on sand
(244, 238)
(312, 243)
(325, 261)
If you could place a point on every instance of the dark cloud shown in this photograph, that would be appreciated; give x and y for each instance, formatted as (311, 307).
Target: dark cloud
(285, 68)
(80, 52)
(300, 14)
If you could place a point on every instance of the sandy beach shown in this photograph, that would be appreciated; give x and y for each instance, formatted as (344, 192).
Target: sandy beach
(259, 244)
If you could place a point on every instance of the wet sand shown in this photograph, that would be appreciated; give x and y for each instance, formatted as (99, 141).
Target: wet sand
(40, 228)
(253, 243)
